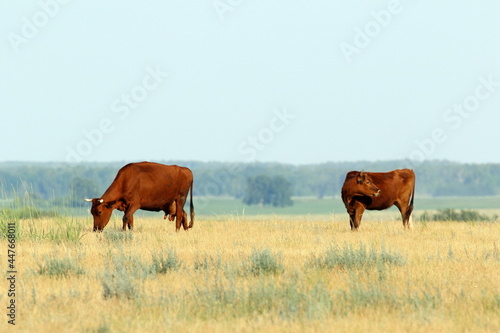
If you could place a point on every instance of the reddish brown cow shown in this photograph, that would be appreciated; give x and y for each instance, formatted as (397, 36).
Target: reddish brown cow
(147, 186)
(378, 191)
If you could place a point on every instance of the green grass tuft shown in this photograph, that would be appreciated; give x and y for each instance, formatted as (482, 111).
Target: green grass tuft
(350, 258)
(163, 264)
(265, 262)
(60, 267)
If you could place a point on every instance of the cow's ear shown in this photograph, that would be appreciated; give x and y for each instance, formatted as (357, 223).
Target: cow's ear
(120, 205)
(361, 177)
(110, 204)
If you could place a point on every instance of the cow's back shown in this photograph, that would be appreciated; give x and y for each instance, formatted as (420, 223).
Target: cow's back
(394, 181)
(145, 180)
(393, 186)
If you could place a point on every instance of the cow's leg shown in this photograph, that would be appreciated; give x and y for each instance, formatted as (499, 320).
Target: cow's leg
(352, 215)
(351, 220)
(179, 212)
(184, 220)
(355, 215)
(405, 211)
(128, 218)
(357, 218)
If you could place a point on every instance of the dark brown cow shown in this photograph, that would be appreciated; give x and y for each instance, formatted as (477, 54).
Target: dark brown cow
(147, 186)
(378, 191)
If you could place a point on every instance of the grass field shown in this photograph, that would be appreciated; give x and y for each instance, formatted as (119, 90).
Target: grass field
(215, 206)
(255, 273)
(314, 206)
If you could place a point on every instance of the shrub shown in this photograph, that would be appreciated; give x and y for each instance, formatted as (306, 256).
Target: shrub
(163, 264)
(119, 284)
(208, 263)
(264, 262)
(119, 279)
(59, 267)
(463, 215)
(118, 236)
(349, 258)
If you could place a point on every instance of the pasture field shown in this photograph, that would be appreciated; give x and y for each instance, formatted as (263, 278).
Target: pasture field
(329, 206)
(255, 274)
(215, 206)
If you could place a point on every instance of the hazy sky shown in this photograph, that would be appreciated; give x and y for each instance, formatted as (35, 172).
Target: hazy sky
(228, 80)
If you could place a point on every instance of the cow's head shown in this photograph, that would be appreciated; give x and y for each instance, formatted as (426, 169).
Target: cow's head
(101, 211)
(365, 186)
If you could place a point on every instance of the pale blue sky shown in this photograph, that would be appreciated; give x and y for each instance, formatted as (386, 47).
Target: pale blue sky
(286, 81)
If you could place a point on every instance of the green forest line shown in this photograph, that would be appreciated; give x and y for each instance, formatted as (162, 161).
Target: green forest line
(60, 181)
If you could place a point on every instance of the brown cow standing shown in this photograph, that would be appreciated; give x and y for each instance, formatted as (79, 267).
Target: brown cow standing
(147, 186)
(378, 191)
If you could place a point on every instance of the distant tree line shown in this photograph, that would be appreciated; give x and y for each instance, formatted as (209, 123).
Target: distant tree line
(74, 182)
(264, 190)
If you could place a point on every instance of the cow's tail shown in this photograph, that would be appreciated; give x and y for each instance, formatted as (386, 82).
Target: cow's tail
(191, 206)
(412, 192)
(410, 204)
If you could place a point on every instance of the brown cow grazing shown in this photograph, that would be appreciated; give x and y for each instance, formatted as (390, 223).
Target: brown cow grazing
(378, 191)
(147, 186)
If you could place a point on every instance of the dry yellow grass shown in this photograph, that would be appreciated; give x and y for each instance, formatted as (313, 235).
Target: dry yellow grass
(443, 277)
